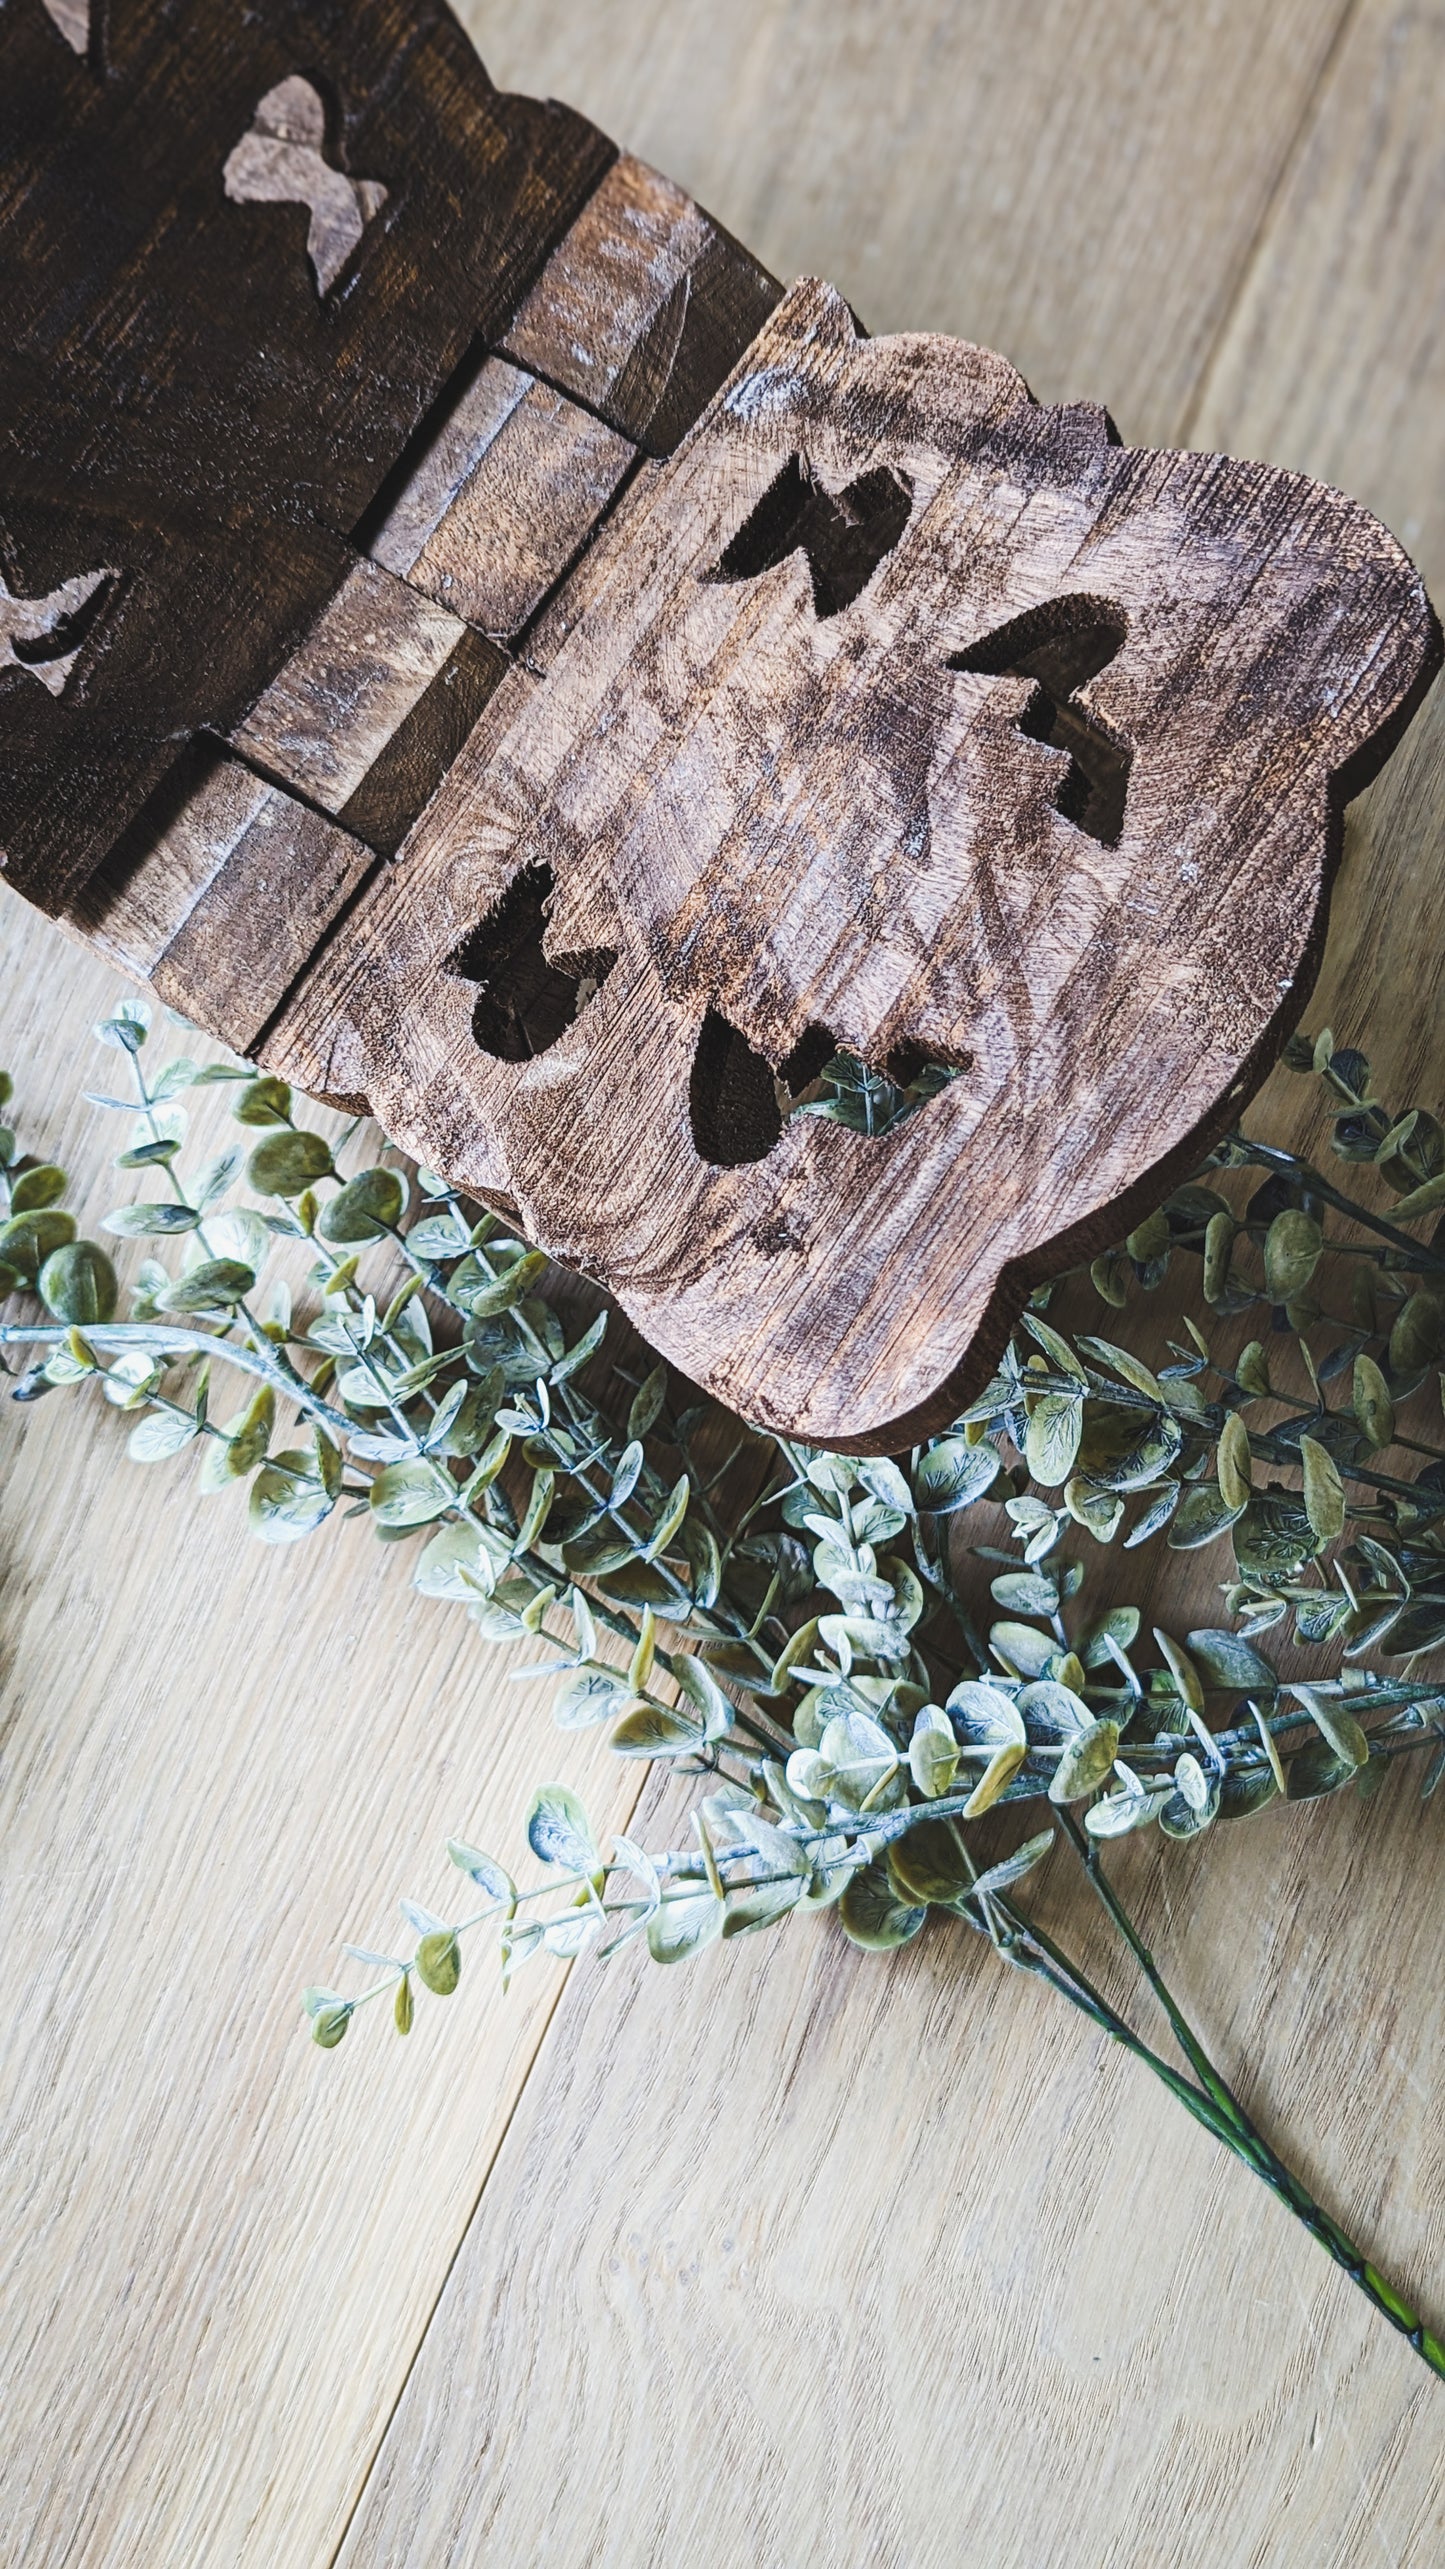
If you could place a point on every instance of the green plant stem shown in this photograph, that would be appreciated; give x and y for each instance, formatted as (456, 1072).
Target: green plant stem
(1236, 2128)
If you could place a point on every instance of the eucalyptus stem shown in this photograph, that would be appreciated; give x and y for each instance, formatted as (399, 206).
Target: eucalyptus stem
(1235, 2127)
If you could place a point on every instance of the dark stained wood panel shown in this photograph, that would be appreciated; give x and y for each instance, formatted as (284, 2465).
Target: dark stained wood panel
(192, 397)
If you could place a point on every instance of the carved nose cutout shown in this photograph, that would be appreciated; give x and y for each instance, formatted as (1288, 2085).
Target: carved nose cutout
(1061, 646)
(280, 163)
(525, 1000)
(843, 539)
(44, 635)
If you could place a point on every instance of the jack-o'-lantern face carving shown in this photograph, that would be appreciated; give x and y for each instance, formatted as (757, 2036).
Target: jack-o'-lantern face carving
(918, 732)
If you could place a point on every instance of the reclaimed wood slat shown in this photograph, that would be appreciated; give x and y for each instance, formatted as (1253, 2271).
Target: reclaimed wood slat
(643, 307)
(506, 493)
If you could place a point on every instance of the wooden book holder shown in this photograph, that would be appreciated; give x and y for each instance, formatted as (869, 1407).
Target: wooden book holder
(475, 644)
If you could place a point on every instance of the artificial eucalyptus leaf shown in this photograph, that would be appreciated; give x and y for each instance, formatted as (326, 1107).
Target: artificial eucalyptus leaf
(873, 1915)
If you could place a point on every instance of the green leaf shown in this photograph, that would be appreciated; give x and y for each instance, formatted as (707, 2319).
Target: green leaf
(1219, 1238)
(367, 1206)
(1337, 1726)
(35, 1188)
(1324, 1491)
(697, 1685)
(287, 1163)
(1126, 1449)
(28, 1239)
(933, 1752)
(1292, 1249)
(508, 1290)
(287, 1500)
(329, 2022)
(411, 1494)
(685, 1921)
(671, 1518)
(559, 1832)
(217, 1284)
(1052, 1438)
(1000, 1877)
(650, 1730)
(927, 1867)
(872, 1914)
(1086, 1762)
(886, 1483)
(160, 1433)
(1315, 1769)
(1232, 1464)
(263, 1101)
(150, 1221)
(1228, 1661)
(438, 1962)
(587, 1695)
(1203, 1514)
(488, 1876)
(1416, 1337)
(77, 1284)
(647, 1403)
(1374, 1409)
(1060, 1354)
(954, 1474)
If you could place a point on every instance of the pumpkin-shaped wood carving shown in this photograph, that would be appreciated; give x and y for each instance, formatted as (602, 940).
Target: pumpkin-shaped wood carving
(819, 836)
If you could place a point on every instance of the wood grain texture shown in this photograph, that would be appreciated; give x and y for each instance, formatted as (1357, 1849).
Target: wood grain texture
(226, 2245)
(912, 721)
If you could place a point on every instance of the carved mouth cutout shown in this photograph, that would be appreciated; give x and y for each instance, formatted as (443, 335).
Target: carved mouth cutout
(738, 1105)
(525, 1000)
(842, 539)
(1061, 646)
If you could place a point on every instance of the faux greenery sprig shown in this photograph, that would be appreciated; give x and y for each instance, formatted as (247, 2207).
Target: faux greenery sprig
(804, 1630)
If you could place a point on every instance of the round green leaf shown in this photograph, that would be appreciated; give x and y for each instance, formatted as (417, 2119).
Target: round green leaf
(28, 1239)
(286, 1163)
(438, 1962)
(35, 1188)
(873, 1916)
(366, 1206)
(1292, 1248)
(77, 1283)
(1086, 1762)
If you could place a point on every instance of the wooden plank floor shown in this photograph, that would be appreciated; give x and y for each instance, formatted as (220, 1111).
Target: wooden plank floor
(799, 2258)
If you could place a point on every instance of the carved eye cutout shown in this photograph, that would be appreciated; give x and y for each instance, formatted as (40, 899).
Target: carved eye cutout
(525, 1001)
(281, 161)
(1061, 646)
(843, 539)
(739, 1104)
